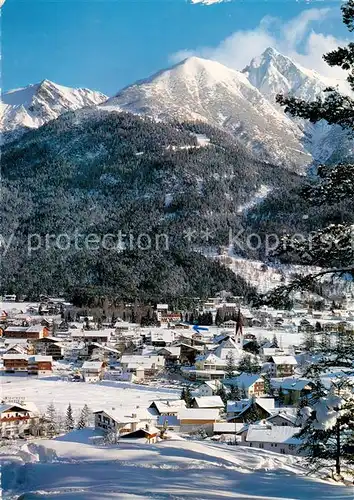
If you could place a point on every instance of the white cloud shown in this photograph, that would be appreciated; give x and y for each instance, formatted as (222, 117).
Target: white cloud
(296, 38)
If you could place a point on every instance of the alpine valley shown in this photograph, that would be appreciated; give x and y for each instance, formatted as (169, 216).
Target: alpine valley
(197, 147)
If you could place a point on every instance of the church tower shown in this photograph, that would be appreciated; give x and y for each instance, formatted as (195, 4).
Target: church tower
(239, 330)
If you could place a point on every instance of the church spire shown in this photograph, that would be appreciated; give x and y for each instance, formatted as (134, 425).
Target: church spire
(239, 328)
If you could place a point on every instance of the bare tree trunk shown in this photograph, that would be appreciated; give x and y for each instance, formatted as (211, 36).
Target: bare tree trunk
(338, 449)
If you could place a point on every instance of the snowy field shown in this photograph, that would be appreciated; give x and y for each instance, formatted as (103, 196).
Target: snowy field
(43, 391)
(69, 469)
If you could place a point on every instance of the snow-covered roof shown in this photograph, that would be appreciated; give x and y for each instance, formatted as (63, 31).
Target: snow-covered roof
(15, 341)
(294, 384)
(213, 384)
(20, 348)
(199, 414)
(105, 348)
(162, 336)
(228, 427)
(169, 406)
(284, 360)
(209, 402)
(266, 433)
(7, 406)
(16, 329)
(141, 359)
(286, 415)
(211, 358)
(173, 350)
(240, 406)
(92, 365)
(91, 333)
(35, 328)
(237, 406)
(15, 356)
(40, 358)
(243, 380)
(118, 416)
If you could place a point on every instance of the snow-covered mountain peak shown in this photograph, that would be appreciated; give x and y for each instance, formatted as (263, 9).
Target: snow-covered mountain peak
(272, 73)
(32, 106)
(201, 89)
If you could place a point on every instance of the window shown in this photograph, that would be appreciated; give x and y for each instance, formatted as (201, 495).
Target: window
(261, 445)
(282, 451)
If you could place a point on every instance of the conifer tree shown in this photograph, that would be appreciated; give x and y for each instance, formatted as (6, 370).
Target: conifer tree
(281, 396)
(243, 394)
(223, 395)
(267, 384)
(328, 428)
(188, 397)
(84, 418)
(245, 364)
(69, 419)
(51, 415)
(230, 365)
(183, 394)
(235, 393)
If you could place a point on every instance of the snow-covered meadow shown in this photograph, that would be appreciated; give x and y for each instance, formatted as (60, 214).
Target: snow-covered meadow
(69, 469)
(105, 394)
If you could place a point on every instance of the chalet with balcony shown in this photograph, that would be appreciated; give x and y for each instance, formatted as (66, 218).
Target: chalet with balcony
(15, 363)
(40, 365)
(93, 371)
(26, 332)
(17, 420)
(280, 366)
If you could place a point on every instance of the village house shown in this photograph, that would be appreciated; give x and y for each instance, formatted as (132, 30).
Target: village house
(145, 434)
(17, 420)
(142, 366)
(285, 417)
(40, 365)
(49, 346)
(242, 411)
(17, 349)
(279, 439)
(170, 407)
(207, 367)
(26, 332)
(171, 354)
(15, 363)
(280, 366)
(192, 419)
(162, 337)
(190, 349)
(102, 352)
(293, 388)
(252, 385)
(99, 336)
(93, 371)
(209, 388)
(266, 353)
(111, 421)
(228, 432)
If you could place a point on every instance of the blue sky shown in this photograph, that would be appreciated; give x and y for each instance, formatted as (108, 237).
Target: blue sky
(107, 44)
